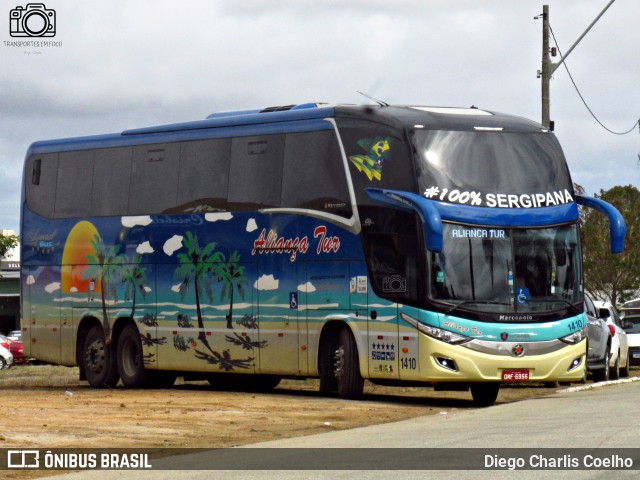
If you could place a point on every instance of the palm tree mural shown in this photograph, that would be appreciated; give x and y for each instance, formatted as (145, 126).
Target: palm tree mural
(196, 265)
(103, 266)
(134, 276)
(232, 274)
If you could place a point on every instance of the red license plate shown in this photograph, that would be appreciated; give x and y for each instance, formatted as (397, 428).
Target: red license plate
(515, 375)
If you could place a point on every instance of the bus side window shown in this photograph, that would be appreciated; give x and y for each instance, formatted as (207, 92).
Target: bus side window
(41, 190)
(314, 176)
(154, 178)
(111, 180)
(75, 176)
(255, 173)
(204, 176)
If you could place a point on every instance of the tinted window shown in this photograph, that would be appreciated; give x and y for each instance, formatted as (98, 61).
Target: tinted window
(41, 178)
(111, 178)
(509, 170)
(255, 173)
(73, 192)
(204, 176)
(314, 175)
(378, 158)
(154, 178)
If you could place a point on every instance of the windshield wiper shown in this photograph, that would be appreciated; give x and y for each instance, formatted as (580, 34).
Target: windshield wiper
(553, 300)
(474, 302)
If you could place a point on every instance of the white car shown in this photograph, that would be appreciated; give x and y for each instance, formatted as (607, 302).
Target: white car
(631, 321)
(619, 361)
(6, 358)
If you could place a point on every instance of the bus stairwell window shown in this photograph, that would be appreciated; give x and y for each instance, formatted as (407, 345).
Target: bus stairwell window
(37, 168)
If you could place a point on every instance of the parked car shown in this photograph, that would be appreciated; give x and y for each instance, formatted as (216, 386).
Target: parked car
(17, 334)
(598, 343)
(6, 358)
(630, 314)
(619, 363)
(15, 347)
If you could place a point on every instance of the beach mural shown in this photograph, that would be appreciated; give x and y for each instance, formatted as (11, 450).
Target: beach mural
(241, 292)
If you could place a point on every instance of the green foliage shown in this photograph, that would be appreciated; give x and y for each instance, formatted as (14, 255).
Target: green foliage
(616, 276)
(7, 242)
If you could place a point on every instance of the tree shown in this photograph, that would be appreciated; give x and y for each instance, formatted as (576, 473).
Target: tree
(134, 276)
(7, 242)
(104, 265)
(232, 274)
(614, 276)
(196, 266)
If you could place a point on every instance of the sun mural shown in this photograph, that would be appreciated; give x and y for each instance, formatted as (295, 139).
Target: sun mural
(74, 258)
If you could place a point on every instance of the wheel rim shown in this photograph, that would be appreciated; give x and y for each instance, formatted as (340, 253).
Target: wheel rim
(95, 357)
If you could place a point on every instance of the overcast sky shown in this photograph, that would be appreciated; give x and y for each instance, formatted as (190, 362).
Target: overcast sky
(125, 64)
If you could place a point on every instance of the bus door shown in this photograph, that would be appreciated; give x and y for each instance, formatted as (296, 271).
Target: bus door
(277, 348)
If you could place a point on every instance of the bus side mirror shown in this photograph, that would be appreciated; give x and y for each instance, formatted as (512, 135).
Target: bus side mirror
(617, 227)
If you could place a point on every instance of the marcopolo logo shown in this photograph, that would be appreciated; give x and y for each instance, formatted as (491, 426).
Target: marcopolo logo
(34, 20)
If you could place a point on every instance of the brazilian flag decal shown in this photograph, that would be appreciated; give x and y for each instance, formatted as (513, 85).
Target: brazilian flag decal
(377, 149)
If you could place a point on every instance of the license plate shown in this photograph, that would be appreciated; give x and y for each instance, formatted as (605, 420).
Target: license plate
(515, 375)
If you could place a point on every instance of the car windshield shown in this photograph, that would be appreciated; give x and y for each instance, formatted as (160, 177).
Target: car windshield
(507, 270)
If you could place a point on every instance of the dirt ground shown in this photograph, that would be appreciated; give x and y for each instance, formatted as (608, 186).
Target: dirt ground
(48, 407)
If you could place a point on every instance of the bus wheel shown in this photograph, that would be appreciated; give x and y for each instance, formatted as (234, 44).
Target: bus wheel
(485, 394)
(130, 361)
(98, 359)
(347, 367)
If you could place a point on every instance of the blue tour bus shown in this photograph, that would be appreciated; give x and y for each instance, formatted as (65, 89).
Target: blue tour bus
(399, 244)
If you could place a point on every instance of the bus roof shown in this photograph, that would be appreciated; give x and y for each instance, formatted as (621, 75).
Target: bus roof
(291, 118)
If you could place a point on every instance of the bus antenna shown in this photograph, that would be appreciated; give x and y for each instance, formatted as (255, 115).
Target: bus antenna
(379, 102)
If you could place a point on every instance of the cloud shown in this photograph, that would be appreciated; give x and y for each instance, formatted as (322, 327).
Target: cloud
(144, 247)
(131, 222)
(173, 244)
(30, 280)
(176, 288)
(252, 225)
(266, 282)
(307, 287)
(214, 217)
(52, 287)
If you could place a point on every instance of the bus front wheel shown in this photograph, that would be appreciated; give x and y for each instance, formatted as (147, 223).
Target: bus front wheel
(485, 394)
(347, 367)
(98, 360)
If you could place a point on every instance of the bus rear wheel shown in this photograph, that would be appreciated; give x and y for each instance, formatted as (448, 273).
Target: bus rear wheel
(130, 359)
(99, 362)
(485, 394)
(347, 366)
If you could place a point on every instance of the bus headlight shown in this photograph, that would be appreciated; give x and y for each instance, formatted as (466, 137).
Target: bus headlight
(437, 333)
(575, 337)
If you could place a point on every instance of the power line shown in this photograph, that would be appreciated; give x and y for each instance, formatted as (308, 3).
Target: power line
(582, 98)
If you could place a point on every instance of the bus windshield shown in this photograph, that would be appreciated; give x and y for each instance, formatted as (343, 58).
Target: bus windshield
(483, 166)
(496, 270)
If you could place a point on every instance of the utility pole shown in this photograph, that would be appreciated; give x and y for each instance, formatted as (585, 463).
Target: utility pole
(548, 67)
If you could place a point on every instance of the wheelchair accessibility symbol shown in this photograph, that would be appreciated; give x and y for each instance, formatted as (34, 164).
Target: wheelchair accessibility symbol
(523, 296)
(293, 300)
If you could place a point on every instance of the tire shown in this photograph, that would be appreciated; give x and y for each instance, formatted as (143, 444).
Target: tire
(614, 373)
(602, 374)
(3, 363)
(130, 359)
(347, 367)
(98, 359)
(485, 394)
(624, 371)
